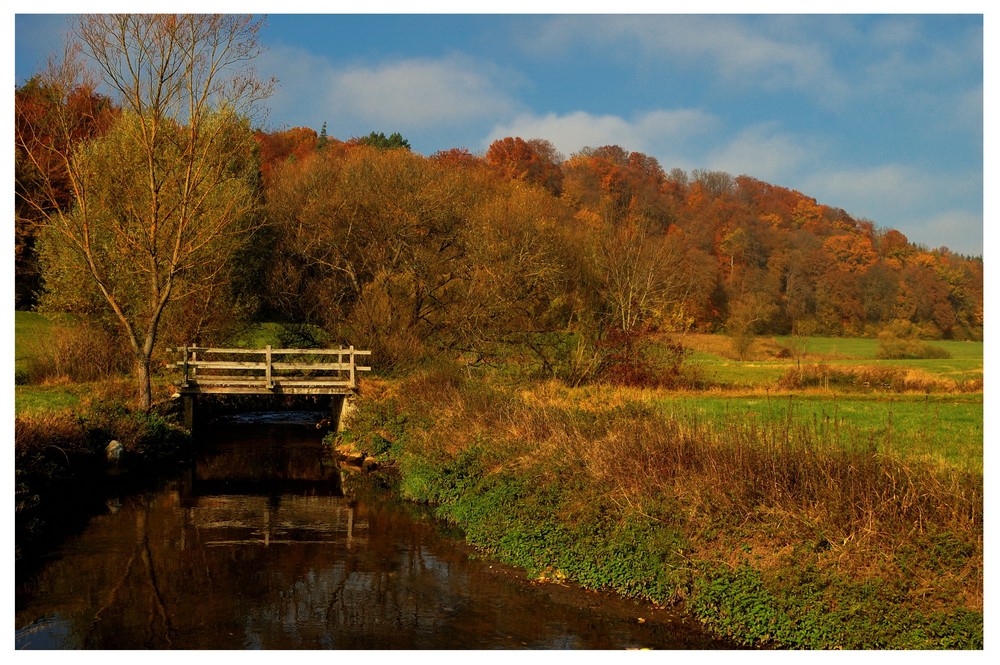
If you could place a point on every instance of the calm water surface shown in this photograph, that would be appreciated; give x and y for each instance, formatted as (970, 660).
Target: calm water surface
(265, 544)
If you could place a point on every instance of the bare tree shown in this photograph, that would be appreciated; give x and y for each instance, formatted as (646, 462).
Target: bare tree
(641, 276)
(162, 199)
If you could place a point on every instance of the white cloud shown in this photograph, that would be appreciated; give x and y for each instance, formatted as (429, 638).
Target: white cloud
(301, 97)
(896, 185)
(422, 93)
(958, 230)
(413, 94)
(762, 152)
(654, 132)
(967, 111)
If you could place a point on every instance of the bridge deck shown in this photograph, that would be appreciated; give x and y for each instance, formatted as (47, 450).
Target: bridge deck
(221, 371)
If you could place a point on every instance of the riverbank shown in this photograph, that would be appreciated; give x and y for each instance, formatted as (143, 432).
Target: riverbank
(262, 543)
(768, 531)
(65, 460)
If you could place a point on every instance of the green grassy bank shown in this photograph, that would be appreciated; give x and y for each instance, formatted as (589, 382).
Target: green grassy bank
(62, 428)
(766, 528)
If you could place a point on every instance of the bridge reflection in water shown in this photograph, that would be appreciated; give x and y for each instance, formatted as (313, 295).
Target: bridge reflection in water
(257, 546)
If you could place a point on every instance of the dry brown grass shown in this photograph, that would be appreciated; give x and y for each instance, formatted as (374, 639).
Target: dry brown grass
(870, 378)
(44, 429)
(761, 348)
(769, 491)
(74, 354)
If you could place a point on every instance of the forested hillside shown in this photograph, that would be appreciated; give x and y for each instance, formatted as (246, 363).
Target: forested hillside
(460, 250)
(413, 254)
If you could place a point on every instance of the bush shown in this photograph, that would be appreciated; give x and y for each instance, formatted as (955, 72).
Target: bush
(626, 358)
(909, 349)
(146, 436)
(80, 353)
(899, 341)
(632, 358)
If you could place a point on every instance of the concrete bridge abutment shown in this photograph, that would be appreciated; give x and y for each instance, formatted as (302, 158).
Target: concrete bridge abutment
(341, 408)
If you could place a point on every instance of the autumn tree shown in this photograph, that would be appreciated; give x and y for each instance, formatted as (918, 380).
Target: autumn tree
(894, 247)
(512, 282)
(534, 161)
(411, 255)
(279, 146)
(162, 200)
(615, 184)
(52, 117)
(457, 158)
(632, 274)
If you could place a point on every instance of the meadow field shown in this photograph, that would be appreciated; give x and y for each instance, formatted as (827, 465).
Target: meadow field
(811, 496)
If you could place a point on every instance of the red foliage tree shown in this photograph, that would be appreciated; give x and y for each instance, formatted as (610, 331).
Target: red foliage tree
(50, 120)
(278, 147)
(535, 161)
(457, 158)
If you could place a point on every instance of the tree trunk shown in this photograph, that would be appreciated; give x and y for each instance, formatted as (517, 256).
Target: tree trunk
(145, 387)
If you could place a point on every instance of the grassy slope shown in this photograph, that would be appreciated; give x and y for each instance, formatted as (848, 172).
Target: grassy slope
(28, 326)
(946, 428)
(29, 329)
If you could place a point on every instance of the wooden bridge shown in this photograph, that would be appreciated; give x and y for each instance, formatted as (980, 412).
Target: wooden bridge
(267, 371)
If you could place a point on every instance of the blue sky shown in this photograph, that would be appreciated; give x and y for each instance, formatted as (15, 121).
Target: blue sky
(881, 115)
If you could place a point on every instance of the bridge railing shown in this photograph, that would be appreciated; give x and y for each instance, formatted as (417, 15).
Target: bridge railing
(210, 369)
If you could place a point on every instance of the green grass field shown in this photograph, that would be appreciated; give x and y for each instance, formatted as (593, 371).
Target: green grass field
(944, 427)
(966, 361)
(947, 429)
(46, 398)
(709, 357)
(28, 326)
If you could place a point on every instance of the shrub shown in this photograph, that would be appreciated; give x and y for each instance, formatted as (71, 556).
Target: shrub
(625, 358)
(909, 349)
(632, 358)
(79, 353)
(899, 341)
(144, 435)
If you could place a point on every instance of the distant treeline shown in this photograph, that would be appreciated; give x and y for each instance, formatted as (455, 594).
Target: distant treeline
(454, 248)
(412, 254)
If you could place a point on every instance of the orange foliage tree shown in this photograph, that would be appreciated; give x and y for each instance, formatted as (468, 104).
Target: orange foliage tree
(535, 161)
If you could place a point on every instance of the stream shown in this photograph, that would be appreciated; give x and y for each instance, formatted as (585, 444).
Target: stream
(264, 542)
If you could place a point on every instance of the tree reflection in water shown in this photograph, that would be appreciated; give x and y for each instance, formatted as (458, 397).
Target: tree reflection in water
(257, 547)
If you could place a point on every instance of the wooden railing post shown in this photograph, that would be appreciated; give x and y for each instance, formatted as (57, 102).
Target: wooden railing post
(353, 384)
(270, 385)
(185, 381)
